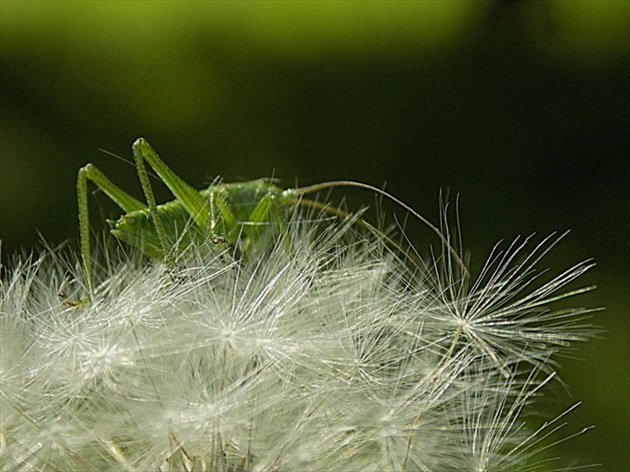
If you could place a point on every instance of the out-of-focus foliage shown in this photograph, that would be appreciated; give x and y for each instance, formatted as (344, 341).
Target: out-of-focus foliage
(520, 107)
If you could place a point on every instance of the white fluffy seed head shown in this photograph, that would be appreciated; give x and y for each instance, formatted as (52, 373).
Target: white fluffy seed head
(330, 352)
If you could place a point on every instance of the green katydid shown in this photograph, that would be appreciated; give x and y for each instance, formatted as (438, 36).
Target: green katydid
(234, 213)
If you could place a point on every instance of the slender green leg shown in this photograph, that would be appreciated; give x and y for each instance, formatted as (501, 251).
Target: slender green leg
(120, 197)
(190, 198)
(148, 193)
(195, 204)
(264, 213)
(227, 220)
(262, 210)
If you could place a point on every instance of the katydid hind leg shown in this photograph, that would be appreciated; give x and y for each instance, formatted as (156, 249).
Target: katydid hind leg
(200, 210)
(192, 200)
(152, 205)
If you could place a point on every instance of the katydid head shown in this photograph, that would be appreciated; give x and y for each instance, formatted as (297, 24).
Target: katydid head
(138, 229)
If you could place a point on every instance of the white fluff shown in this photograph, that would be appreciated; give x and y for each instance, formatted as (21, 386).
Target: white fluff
(329, 353)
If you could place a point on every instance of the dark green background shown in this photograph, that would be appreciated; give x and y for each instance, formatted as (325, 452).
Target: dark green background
(521, 108)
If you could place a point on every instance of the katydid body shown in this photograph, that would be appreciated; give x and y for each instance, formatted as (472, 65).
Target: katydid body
(244, 215)
(240, 214)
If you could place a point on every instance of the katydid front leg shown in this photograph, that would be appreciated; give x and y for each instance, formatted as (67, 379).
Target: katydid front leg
(125, 201)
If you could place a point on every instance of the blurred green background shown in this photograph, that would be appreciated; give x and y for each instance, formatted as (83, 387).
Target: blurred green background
(521, 108)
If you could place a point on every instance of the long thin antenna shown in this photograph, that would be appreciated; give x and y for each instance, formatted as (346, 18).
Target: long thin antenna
(408, 251)
(349, 183)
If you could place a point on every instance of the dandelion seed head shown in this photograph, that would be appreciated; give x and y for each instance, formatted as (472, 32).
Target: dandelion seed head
(327, 351)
